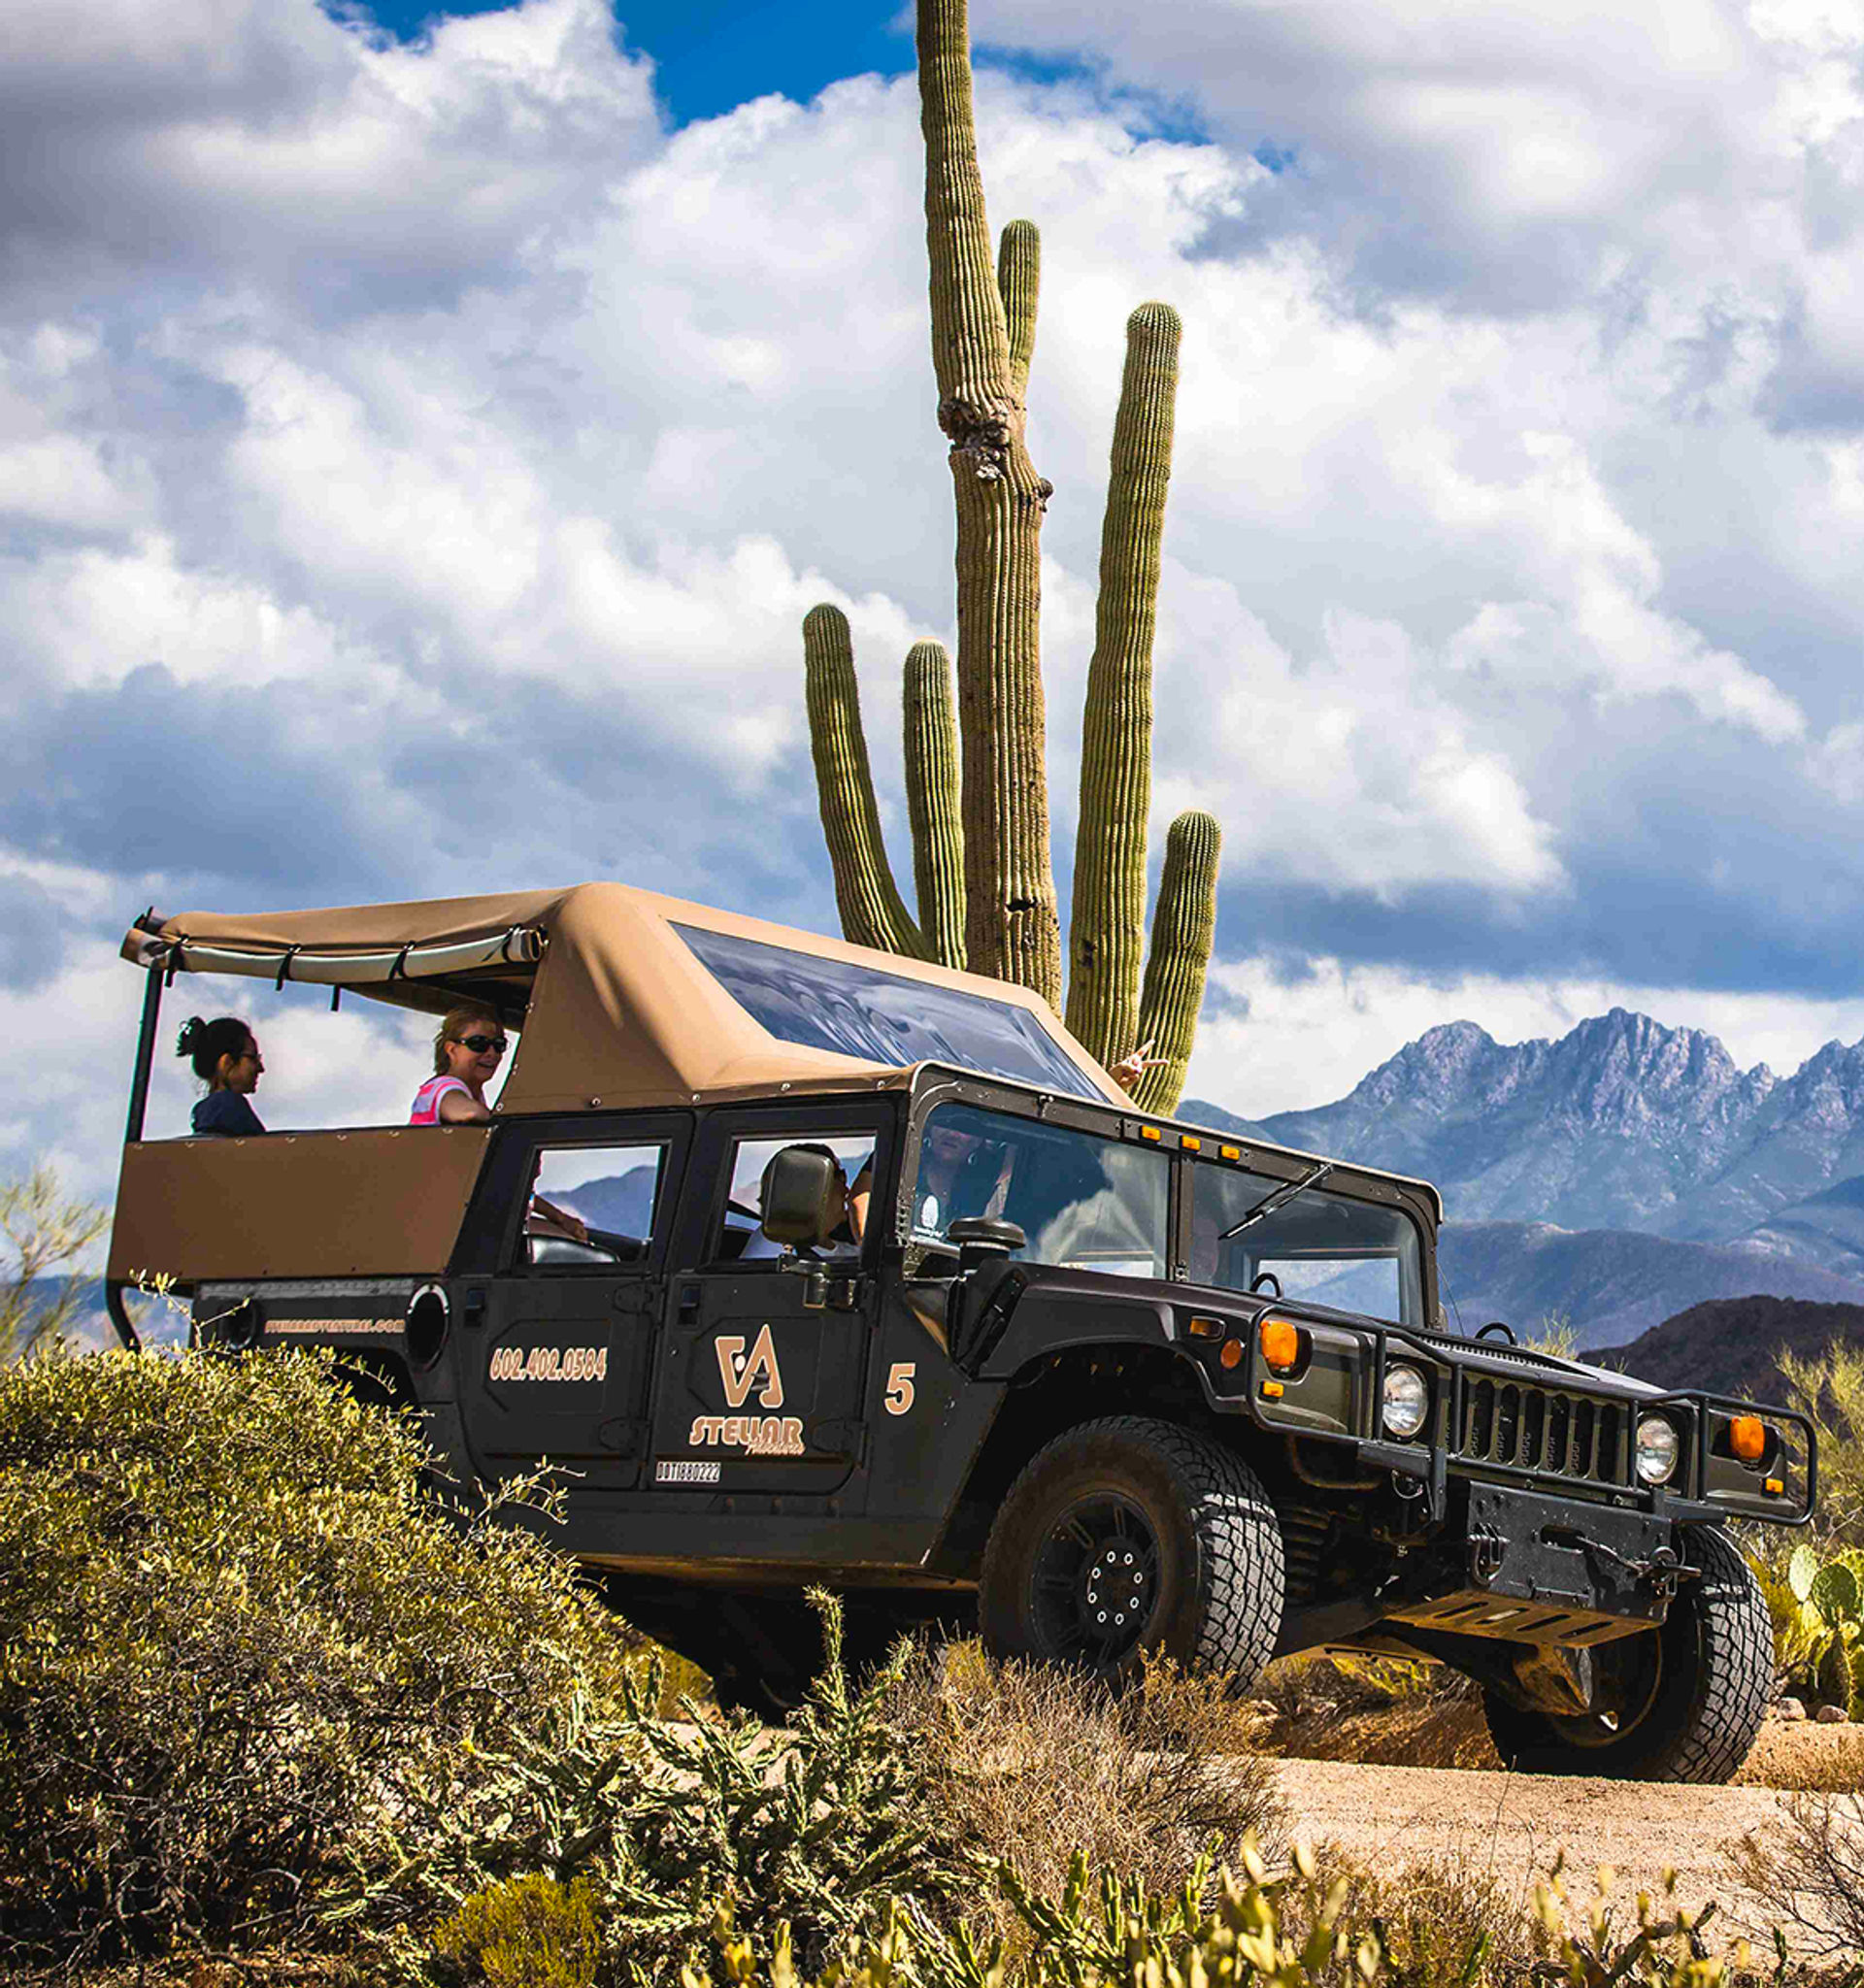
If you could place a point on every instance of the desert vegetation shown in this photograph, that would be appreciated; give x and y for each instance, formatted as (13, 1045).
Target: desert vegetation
(274, 1703)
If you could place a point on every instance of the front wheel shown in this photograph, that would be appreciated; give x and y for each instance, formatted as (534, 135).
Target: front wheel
(1689, 1697)
(1131, 1535)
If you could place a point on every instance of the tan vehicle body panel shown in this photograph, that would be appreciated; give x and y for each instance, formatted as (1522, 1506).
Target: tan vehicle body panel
(384, 1201)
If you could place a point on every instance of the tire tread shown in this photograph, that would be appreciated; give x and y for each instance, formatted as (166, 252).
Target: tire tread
(1239, 1536)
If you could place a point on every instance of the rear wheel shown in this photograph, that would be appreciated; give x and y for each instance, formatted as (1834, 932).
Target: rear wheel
(1131, 1535)
(1684, 1702)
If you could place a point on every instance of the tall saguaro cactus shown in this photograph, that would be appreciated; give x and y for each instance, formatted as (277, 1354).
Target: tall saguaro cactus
(977, 795)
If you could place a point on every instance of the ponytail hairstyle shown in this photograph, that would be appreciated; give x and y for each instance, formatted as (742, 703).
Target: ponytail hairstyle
(207, 1041)
(459, 1023)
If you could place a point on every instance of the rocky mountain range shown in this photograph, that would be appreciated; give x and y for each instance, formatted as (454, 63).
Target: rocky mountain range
(1563, 1163)
(1621, 1124)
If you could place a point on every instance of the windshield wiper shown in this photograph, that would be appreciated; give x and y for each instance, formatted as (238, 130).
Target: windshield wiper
(1279, 1198)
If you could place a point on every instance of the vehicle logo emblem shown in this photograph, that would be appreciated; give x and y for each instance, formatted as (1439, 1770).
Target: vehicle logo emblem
(741, 1373)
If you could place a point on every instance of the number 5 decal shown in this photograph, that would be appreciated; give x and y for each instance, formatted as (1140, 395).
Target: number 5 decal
(899, 1386)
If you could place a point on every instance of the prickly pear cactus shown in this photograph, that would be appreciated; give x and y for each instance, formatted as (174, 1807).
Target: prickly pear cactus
(1802, 1570)
(1835, 1593)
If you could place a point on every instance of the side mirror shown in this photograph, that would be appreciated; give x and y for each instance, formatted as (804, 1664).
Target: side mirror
(982, 1238)
(801, 1197)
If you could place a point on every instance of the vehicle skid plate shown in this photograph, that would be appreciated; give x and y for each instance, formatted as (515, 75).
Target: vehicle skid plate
(1547, 1570)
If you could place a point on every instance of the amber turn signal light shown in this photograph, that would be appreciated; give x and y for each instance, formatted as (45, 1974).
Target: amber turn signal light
(1748, 1438)
(1280, 1344)
(1230, 1353)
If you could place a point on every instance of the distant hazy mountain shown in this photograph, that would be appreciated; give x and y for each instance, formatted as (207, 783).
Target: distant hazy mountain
(1729, 1345)
(1608, 1284)
(1621, 1124)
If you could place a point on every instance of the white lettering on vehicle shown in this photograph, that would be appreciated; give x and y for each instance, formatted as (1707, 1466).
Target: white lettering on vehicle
(671, 1471)
(549, 1363)
(741, 1373)
(314, 1325)
(754, 1434)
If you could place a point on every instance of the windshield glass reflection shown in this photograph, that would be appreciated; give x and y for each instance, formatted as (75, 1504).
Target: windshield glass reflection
(1319, 1247)
(1083, 1202)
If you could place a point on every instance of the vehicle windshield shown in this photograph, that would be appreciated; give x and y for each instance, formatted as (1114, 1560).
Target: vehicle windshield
(857, 1011)
(1083, 1202)
(1319, 1247)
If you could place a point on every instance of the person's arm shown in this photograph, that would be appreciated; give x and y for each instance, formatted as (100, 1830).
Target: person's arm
(461, 1107)
(858, 1197)
(547, 1217)
(1128, 1071)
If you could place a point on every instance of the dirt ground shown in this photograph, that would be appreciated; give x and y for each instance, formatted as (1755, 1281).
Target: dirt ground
(1422, 1782)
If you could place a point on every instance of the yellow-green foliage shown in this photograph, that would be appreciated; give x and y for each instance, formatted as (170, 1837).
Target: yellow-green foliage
(1830, 1389)
(1309, 1927)
(526, 1933)
(238, 1640)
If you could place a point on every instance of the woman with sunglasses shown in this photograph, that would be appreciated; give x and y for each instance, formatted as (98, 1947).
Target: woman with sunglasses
(467, 1049)
(468, 1046)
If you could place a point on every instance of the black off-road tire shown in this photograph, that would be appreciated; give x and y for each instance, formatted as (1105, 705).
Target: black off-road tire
(1212, 1597)
(1715, 1653)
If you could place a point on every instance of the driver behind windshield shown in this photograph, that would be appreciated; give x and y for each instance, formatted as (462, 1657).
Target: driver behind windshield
(961, 1174)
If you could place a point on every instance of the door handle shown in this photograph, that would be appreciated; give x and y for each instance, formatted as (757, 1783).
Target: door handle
(688, 1305)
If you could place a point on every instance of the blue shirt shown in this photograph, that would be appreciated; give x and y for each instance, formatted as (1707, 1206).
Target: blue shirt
(227, 1114)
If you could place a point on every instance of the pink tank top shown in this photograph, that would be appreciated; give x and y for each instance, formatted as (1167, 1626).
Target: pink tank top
(426, 1111)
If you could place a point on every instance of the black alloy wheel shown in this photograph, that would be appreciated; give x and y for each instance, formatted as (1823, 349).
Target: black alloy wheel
(1095, 1581)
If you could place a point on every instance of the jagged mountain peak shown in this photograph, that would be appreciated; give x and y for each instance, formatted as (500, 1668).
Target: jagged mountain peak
(1623, 1122)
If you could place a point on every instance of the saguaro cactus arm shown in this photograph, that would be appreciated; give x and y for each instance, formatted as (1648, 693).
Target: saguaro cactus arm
(1183, 925)
(1012, 927)
(1019, 282)
(1107, 930)
(872, 911)
(931, 726)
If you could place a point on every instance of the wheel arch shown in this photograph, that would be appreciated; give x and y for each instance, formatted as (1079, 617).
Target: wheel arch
(1083, 1380)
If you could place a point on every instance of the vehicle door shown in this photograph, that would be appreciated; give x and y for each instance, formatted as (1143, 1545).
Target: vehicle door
(765, 1356)
(567, 1351)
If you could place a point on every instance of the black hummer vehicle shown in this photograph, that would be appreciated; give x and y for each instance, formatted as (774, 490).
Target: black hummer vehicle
(886, 1286)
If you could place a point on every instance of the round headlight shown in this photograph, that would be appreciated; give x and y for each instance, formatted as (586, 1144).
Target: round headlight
(1406, 1400)
(1658, 1448)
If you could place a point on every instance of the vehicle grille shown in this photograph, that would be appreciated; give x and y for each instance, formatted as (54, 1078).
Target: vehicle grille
(1520, 1427)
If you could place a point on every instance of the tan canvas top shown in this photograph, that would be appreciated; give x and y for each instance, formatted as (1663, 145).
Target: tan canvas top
(615, 1009)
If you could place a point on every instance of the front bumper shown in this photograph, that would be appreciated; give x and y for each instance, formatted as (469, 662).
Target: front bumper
(1540, 1571)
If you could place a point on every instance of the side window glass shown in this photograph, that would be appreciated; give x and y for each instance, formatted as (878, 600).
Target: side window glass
(593, 1204)
(740, 1238)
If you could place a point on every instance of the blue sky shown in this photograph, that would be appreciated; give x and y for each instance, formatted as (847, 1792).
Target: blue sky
(421, 437)
(709, 57)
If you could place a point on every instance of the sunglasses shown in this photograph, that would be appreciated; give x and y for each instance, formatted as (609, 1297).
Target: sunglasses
(478, 1045)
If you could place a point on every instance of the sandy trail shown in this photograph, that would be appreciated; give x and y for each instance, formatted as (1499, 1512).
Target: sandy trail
(1517, 1824)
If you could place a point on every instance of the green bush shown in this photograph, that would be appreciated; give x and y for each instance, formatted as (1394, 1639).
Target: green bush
(525, 1933)
(239, 1642)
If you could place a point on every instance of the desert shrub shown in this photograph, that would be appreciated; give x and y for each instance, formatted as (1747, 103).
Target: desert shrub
(1030, 1765)
(1810, 1868)
(525, 1933)
(41, 1233)
(235, 1633)
(1318, 1926)
(1829, 1388)
(663, 1823)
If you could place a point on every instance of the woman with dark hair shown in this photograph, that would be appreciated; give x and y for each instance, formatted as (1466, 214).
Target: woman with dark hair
(226, 1058)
